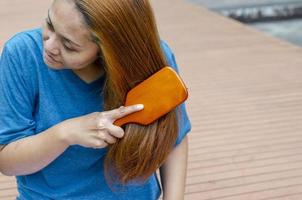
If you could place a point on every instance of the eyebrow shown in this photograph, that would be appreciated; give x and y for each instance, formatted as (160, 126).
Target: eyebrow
(68, 40)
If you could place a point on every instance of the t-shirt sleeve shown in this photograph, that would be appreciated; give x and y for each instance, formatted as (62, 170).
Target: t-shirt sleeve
(16, 100)
(184, 123)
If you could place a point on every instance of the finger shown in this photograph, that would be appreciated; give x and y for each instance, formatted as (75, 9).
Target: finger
(101, 125)
(123, 111)
(115, 131)
(106, 137)
(99, 144)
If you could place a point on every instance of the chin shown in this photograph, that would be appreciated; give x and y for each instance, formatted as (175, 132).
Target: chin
(55, 67)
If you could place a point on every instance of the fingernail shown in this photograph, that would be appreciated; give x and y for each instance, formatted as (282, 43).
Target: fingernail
(140, 106)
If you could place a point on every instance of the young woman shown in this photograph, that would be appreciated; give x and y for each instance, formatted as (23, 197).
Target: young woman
(61, 89)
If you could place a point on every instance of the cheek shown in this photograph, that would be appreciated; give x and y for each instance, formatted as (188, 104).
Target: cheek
(45, 33)
(78, 61)
(45, 36)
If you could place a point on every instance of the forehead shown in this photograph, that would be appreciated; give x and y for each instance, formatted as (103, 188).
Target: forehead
(68, 21)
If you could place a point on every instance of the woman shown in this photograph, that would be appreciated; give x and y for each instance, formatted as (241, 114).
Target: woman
(61, 89)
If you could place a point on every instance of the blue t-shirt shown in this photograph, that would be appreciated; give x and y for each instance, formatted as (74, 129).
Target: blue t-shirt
(34, 97)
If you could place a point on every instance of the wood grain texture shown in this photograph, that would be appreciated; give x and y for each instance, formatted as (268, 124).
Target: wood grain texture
(245, 102)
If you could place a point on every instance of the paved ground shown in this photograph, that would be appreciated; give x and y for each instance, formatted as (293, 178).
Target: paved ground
(245, 103)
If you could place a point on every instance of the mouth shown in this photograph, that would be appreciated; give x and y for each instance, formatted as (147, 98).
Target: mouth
(50, 59)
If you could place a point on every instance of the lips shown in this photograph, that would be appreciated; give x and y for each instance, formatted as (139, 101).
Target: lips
(50, 58)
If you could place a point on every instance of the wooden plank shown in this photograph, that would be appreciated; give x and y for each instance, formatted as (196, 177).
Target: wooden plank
(8, 189)
(244, 102)
(244, 105)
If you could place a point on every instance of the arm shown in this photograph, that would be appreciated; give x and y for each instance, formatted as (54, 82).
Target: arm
(173, 172)
(18, 90)
(30, 154)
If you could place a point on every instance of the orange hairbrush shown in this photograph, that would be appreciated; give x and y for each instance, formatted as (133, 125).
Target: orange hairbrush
(160, 93)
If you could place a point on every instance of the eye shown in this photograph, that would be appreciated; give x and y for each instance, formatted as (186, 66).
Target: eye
(67, 48)
(49, 25)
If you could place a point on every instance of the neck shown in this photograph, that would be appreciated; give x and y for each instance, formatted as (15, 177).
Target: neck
(90, 73)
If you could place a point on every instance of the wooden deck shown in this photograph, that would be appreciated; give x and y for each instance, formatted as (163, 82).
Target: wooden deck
(245, 104)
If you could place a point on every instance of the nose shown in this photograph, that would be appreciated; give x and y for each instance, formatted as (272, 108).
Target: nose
(51, 45)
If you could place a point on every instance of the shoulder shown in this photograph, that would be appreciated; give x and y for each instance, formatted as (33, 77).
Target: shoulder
(166, 48)
(169, 55)
(24, 50)
(24, 43)
(22, 56)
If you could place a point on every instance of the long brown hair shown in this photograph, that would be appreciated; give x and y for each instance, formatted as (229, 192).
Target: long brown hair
(129, 41)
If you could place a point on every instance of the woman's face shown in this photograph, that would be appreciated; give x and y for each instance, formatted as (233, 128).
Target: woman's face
(67, 42)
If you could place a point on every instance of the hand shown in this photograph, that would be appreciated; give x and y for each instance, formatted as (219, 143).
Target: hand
(95, 130)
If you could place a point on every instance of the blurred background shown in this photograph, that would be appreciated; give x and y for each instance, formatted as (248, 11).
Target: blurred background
(280, 18)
